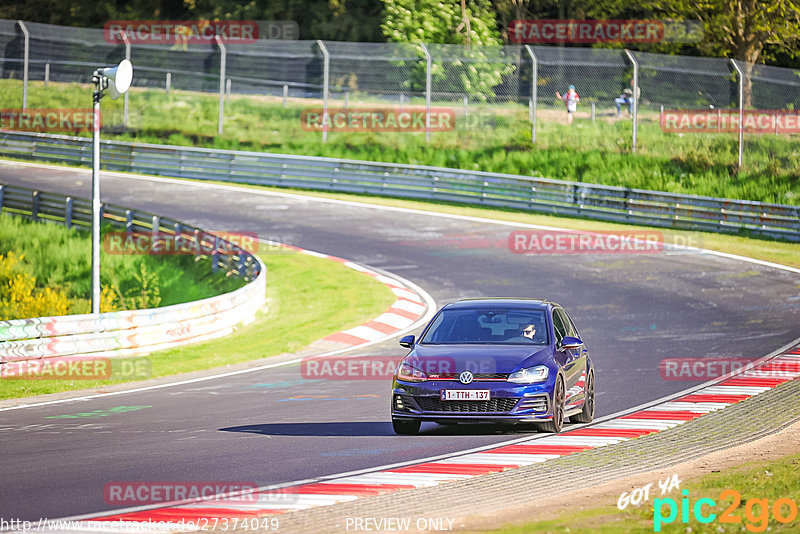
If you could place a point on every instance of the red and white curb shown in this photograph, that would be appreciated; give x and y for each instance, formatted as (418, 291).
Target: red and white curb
(411, 306)
(762, 377)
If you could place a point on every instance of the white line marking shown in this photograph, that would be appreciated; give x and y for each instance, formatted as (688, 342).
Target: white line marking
(393, 320)
(635, 424)
(700, 407)
(364, 332)
(733, 390)
(408, 306)
(483, 458)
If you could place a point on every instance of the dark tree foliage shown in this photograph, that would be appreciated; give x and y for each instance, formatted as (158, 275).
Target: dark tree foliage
(340, 20)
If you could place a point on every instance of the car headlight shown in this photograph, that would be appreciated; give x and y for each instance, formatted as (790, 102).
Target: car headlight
(529, 375)
(407, 373)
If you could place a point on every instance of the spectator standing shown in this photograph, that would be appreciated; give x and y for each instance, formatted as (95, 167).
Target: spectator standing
(571, 100)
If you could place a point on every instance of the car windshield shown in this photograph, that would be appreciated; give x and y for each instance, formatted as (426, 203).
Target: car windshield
(488, 325)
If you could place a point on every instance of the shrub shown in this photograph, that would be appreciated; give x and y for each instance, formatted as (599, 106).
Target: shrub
(19, 297)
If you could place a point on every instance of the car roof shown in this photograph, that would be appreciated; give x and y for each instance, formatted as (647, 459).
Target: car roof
(500, 302)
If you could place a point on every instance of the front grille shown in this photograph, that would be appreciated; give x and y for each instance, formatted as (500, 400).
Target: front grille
(435, 404)
(477, 376)
(537, 403)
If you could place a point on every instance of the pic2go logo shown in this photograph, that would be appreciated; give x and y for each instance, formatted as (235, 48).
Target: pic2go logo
(757, 512)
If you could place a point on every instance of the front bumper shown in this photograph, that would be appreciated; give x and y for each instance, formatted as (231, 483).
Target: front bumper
(509, 403)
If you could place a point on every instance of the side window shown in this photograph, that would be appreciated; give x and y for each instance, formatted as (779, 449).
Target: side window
(569, 326)
(558, 325)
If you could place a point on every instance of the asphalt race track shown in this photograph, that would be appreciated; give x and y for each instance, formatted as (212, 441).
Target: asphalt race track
(272, 426)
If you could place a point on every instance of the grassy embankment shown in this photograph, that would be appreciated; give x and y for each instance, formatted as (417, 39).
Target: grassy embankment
(596, 152)
(769, 481)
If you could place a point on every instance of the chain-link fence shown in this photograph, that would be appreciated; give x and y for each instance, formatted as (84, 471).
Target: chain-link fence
(503, 92)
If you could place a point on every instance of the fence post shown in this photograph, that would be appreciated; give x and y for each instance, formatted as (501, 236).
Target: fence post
(214, 255)
(68, 212)
(25, 64)
(635, 95)
(178, 231)
(326, 70)
(228, 91)
(534, 88)
(427, 92)
(128, 221)
(169, 81)
(154, 231)
(35, 206)
(740, 74)
(593, 111)
(285, 94)
(128, 57)
(46, 74)
(223, 52)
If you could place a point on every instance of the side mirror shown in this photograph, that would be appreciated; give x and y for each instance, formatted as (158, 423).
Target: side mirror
(407, 341)
(570, 343)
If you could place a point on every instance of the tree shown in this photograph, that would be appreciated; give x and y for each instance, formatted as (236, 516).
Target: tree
(745, 30)
(473, 70)
(432, 21)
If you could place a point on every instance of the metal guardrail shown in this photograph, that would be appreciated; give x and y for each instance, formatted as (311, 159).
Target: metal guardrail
(559, 197)
(138, 331)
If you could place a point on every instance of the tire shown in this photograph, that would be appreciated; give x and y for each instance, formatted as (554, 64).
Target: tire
(587, 414)
(406, 427)
(559, 395)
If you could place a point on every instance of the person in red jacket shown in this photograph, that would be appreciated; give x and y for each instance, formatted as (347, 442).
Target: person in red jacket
(570, 99)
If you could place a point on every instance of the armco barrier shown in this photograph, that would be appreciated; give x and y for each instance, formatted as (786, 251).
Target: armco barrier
(559, 197)
(129, 332)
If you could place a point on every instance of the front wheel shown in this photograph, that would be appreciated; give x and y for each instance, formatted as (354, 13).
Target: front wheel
(587, 414)
(406, 427)
(557, 423)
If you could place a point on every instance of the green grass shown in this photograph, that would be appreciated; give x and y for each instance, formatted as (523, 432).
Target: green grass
(771, 480)
(293, 317)
(596, 152)
(59, 257)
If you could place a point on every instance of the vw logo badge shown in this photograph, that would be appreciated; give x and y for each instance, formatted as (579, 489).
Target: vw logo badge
(465, 377)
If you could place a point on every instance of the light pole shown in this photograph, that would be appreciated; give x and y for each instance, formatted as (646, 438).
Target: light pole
(117, 80)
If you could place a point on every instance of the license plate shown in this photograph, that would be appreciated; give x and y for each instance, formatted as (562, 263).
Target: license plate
(465, 394)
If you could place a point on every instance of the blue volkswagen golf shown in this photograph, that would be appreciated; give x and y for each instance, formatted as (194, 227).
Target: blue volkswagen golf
(494, 360)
